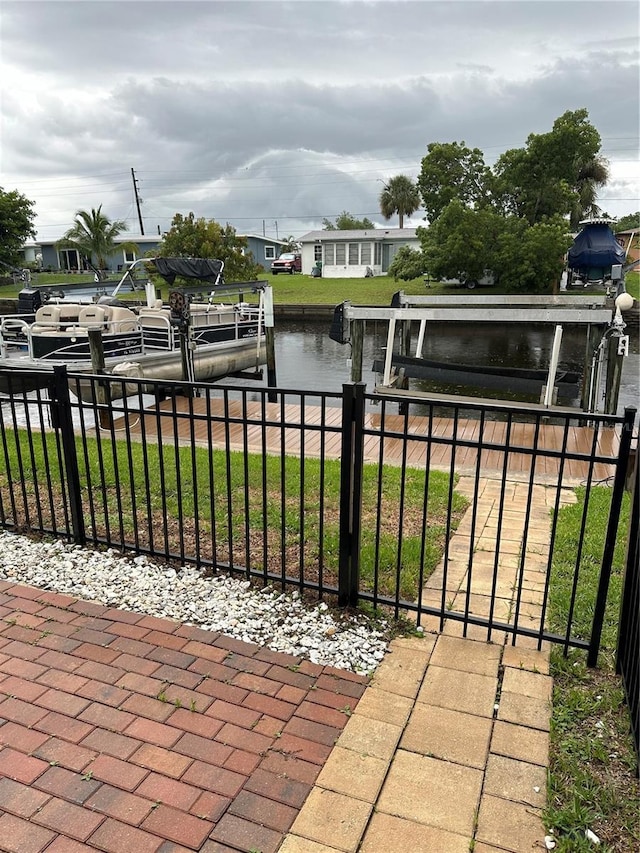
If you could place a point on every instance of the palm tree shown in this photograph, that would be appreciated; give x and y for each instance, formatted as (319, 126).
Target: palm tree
(290, 244)
(93, 236)
(399, 196)
(591, 175)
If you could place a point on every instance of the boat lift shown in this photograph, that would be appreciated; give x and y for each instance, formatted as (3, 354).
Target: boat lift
(603, 321)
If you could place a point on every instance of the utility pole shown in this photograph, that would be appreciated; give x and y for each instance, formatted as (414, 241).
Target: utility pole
(135, 192)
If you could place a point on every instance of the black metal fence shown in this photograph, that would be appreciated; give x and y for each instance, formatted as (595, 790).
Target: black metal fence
(628, 651)
(440, 511)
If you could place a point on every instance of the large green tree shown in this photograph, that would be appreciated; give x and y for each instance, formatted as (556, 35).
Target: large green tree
(459, 244)
(94, 235)
(463, 243)
(500, 218)
(191, 237)
(346, 222)
(451, 170)
(558, 172)
(628, 223)
(400, 195)
(16, 225)
(530, 258)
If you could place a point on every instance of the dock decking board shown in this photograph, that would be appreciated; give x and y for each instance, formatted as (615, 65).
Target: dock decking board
(316, 430)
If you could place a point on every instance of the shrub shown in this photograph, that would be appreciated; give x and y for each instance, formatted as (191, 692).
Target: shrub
(407, 264)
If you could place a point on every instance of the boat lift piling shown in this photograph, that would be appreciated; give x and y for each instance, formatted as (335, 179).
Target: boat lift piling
(591, 376)
(270, 342)
(548, 391)
(103, 394)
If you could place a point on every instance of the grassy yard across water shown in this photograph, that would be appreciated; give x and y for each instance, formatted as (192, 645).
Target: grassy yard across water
(305, 290)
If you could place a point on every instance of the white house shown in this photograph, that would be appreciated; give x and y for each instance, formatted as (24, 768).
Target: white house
(351, 254)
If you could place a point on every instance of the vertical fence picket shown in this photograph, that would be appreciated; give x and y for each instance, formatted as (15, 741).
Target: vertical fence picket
(501, 503)
(447, 538)
(350, 493)
(425, 514)
(525, 533)
(265, 485)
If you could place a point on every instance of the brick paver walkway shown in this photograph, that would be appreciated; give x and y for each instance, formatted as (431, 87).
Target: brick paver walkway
(126, 733)
(132, 734)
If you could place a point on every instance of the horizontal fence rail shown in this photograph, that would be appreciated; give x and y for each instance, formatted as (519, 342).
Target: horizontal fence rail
(438, 512)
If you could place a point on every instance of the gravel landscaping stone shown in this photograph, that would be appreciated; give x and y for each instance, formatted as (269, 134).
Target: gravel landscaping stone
(231, 606)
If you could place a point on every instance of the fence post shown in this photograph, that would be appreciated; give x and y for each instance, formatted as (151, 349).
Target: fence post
(350, 493)
(628, 645)
(610, 538)
(63, 422)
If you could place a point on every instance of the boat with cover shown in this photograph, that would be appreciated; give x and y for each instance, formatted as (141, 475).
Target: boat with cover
(594, 253)
(197, 336)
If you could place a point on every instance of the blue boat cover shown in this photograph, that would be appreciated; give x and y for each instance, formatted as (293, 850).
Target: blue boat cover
(595, 246)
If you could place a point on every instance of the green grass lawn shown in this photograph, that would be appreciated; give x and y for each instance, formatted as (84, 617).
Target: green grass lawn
(264, 512)
(632, 282)
(592, 782)
(304, 289)
(296, 289)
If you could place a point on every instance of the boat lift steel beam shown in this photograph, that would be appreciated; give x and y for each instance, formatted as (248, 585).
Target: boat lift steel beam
(589, 300)
(505, 314)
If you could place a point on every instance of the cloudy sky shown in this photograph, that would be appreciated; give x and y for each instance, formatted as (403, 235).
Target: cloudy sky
(272, 115)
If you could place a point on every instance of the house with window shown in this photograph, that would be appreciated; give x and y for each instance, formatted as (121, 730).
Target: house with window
(354, 254)
(630, 242)
(49, 258)
(264, 249)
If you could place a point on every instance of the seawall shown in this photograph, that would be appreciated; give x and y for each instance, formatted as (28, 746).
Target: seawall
(313, 312)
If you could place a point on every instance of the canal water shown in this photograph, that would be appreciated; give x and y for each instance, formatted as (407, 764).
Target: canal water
(307, 359)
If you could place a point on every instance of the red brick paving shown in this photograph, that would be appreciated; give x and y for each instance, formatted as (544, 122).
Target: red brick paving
(122, 732)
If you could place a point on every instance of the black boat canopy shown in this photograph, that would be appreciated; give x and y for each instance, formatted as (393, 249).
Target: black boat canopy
(205, 269)
(595, 246)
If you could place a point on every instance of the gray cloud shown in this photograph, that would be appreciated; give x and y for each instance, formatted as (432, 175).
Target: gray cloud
(289, 111)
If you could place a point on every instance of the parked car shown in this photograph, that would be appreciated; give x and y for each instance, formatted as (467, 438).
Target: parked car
(287, 262)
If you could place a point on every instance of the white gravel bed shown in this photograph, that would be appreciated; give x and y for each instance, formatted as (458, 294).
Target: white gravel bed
(224, 604)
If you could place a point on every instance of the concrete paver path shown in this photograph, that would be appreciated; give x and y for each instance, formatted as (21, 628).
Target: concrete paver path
(449, 745)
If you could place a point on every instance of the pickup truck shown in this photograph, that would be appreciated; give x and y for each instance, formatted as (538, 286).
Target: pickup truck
(287, 262)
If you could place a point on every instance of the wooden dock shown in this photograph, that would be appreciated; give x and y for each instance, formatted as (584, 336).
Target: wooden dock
(315, 431)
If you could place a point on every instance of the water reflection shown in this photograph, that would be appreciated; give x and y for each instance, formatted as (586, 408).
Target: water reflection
(307, 359)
